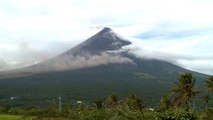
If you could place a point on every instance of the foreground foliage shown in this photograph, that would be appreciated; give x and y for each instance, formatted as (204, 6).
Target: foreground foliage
(179, 104)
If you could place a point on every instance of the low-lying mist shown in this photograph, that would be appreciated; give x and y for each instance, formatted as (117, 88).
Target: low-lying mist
(70, 62)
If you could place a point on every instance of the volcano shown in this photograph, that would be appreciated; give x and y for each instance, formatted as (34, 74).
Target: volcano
(98, 50)
(93, 69)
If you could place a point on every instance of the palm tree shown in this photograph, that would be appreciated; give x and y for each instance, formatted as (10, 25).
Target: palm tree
(209, 84)
(135, 103)
(184, 90)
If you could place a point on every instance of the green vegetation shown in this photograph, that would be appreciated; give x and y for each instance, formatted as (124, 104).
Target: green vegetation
(11, 117)
(178, 104)
(209, 84)
(149, 79)
(184, 90)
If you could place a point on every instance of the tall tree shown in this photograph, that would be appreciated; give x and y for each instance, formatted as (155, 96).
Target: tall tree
(184, 90)
(209, 84)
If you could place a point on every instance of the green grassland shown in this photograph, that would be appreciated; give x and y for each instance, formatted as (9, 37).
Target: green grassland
(11, 117)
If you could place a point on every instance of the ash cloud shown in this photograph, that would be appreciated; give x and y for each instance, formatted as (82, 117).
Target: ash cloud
(70, 62)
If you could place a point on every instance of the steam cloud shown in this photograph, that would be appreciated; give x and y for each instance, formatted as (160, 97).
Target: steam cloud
(71, 62)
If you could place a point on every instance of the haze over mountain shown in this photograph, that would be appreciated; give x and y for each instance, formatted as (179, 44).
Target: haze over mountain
(96, 67)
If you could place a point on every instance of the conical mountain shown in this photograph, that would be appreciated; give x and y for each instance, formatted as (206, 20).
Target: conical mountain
(94, 69)
(92, 52)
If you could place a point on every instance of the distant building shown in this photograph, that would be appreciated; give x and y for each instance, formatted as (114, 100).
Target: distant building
(79, 102)
(12, 98)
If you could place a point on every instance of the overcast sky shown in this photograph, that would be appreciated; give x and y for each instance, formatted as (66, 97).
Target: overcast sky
(179, 31)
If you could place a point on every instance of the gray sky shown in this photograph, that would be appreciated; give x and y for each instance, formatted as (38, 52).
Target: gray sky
(179, 31)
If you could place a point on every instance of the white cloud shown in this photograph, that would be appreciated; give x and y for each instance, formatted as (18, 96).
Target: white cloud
(171, 26)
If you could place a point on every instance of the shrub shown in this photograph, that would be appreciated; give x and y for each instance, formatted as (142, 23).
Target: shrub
(176, 114)
(99, 104)
(206, 115)
(15, 111)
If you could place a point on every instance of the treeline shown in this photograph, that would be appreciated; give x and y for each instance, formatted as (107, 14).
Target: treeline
(183, 102)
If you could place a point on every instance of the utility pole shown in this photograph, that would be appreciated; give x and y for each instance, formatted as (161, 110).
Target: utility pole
(59, 104)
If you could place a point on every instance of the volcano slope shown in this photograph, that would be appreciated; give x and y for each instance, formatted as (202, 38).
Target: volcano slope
(92, 70)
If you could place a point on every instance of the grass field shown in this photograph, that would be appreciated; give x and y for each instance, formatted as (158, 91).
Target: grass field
(13, 117)
(10, 117)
